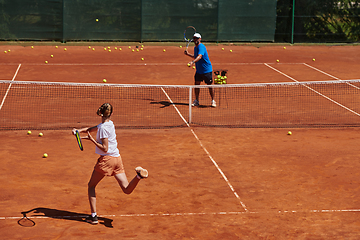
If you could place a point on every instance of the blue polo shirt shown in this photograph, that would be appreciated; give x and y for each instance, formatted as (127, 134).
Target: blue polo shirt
(204, 65)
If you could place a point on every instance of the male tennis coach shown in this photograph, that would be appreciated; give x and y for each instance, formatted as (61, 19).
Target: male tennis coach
(203, 68)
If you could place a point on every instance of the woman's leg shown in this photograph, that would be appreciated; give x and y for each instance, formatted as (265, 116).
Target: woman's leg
(124, 184)
(96, 177)
(129, 187)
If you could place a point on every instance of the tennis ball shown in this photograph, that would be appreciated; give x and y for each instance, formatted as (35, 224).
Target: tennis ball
(56, 46)
(29, 132)
(93, 49)
(284, 47)
(142, 46)
(104, 49)
(104, 80)
(289, 132)
(32, 47)
(141, 49)
(89, 47)
(133, 50)
(108, 47)
(46, 61)
(164, 50)
(120, 49)
(137, 49)
(193, 67)
(222, 49)
(180, 46)
(65, 49)
(41, 134)
(109, 50)
(142, 59)
(97, 20)
(115, 48)
(218, 76)
(230, 50)
(5, 51)
(45, 155)
(277, 60)
(129, 47)
(314, 59)
(9, 50)
(188, 64)
(51, 55)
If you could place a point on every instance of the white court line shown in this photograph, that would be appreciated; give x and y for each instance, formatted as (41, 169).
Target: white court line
(350, 110)
(7, 91)
(207, 152)
(329, 75)
(191, 214)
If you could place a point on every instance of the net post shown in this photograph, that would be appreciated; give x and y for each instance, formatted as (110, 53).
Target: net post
(190, 98)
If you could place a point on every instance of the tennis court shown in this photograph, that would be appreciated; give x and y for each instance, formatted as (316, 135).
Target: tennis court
(204, 182)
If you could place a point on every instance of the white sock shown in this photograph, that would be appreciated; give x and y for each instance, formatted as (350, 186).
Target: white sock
(93, 214)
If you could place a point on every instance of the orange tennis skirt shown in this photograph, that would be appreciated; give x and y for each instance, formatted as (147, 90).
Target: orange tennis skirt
(109, 166)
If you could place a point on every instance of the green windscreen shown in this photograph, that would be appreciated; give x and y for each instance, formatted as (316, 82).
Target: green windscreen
(137, 20)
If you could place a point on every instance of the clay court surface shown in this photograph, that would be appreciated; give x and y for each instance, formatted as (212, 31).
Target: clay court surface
(204, 183)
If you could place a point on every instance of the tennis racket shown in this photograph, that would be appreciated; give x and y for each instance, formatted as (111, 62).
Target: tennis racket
(188, 35)
(78, 139)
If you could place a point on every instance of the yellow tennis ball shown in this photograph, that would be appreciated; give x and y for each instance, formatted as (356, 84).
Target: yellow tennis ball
(41, 134)
(142, 59)
(277, 60)
(222, 49)
(93, 49)
(180, 46)
(105, 49)
(129, 47)
(109, 50)
(51, 55)
(188, 64)
(137, 49)
(133, 50)
(89, 47)
(46, 61)
(230, 50)
(56, 46)
(120, 49)
(164, 50)
(142, 46)
(104, 80)
(289, 132)
(141, 49)
(29, 132)
(115, 48)
(97, 20)
(9, 50)
(284, 47)
(45, 155)
(65, 49)
(193, 67)
(5, 51)
(314, 59)
(108, 47)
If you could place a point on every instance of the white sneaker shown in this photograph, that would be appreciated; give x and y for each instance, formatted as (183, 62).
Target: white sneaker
(195, 103)
(213, 103)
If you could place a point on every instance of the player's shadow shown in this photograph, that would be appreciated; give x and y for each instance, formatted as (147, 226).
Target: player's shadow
(66, 215)
(167, 104)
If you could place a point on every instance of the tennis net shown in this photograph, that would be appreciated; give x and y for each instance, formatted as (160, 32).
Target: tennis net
(46, 105)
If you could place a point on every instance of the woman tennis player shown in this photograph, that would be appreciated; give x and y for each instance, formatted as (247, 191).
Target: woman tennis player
(109, 163)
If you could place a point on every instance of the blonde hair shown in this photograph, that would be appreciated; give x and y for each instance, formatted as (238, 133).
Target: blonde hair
(105, 110)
